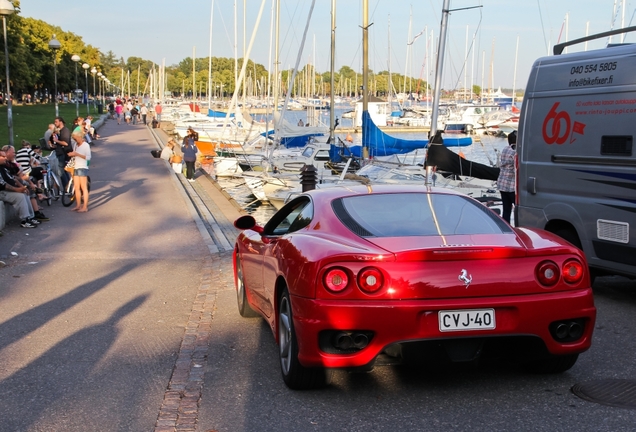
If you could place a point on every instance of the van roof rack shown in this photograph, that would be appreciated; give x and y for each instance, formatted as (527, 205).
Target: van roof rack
(558, 48)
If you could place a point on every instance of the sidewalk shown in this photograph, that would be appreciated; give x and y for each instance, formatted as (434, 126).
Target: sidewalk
(97, 307)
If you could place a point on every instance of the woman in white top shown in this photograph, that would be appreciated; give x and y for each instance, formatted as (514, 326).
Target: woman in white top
(82, 155)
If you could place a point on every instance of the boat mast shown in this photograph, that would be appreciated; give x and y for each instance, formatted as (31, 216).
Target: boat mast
(390, 83)
(332, 99)
(276, 53)
(514, 77)
(439, 67)
(365, 70)
(210, 59)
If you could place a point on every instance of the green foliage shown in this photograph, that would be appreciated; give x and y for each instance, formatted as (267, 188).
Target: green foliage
(32, 69)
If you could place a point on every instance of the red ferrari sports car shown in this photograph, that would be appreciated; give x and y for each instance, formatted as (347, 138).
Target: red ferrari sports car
(345, 276)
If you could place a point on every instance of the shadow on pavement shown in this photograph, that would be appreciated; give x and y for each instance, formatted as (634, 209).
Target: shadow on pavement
(21, 325)
(52, 378)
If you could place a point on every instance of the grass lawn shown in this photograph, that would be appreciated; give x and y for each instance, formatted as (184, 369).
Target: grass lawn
(31, 121)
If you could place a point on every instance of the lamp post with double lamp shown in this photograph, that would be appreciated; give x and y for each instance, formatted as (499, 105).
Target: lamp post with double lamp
(55, 45)
(86, 66)
(76, 59)
(6, 9)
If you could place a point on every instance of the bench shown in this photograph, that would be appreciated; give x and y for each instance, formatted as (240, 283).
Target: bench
(7, 213)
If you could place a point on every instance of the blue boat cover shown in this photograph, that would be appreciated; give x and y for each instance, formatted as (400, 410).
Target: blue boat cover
(382, 144)
(217, 114)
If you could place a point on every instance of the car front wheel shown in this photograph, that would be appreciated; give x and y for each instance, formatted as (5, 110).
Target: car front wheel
(295, 375)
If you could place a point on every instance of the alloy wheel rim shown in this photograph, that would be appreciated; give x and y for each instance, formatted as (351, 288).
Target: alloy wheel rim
(239, 284)
(284, 335)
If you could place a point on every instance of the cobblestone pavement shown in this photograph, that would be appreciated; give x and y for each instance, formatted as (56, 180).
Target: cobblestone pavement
(181, 402)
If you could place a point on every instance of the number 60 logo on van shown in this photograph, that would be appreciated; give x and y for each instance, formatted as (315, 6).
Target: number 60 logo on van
(557, 126)
(558, 119)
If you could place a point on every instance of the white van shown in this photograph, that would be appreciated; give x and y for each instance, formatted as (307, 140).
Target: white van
(576, 172)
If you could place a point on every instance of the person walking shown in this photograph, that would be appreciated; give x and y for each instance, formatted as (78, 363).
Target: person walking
(119, 110)
(135, 114)
(506, 179)
(189, 156)
(82, 155)
(158, 111)
(144, 113)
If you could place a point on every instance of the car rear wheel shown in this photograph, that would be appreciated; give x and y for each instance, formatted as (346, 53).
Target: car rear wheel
(295, 375)
(244, 307)
(552, 364)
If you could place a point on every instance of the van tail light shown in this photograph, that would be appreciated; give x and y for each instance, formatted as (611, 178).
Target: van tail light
(336, 280)
(547, 273)
(370, 280)
(573, 271)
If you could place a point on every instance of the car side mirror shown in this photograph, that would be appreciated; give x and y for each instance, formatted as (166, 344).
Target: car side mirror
(248, 222)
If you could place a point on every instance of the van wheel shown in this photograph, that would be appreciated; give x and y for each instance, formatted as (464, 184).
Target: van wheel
(569, 235)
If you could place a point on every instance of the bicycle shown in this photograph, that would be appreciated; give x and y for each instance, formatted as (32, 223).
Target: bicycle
(51, 184)
(68, 197)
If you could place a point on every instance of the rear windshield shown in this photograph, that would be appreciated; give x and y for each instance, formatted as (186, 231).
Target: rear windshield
(416, 214)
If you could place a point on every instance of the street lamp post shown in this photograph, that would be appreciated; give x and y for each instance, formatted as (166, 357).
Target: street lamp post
(93, 72)
(76, 59)
(86, 66)
(100, 77)
(55, 45)
(6, 9)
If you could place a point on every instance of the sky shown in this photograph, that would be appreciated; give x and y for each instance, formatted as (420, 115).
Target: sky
(492, 45)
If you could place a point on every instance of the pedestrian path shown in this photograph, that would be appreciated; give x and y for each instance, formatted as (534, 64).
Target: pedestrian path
(105, 310)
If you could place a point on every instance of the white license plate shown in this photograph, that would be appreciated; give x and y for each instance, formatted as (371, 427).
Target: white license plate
(474, 319)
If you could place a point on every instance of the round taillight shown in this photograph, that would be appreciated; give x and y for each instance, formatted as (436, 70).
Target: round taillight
(548, 273)
(573, 271)
(336, 280)
(370, 279)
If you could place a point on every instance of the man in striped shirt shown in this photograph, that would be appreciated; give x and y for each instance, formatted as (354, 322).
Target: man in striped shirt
(28, 161)
(25, 157)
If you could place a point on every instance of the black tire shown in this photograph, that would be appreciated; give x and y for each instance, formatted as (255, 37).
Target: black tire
(55, 190)
(244, 307)
(68, 197)
(295, 375)
(569, 235)
(552, 364)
